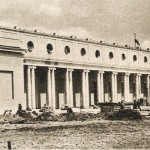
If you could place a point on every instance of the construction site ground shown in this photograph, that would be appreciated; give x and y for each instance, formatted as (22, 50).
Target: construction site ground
(90, 134)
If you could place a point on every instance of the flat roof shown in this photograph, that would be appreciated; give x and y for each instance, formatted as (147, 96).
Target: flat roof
(71, 38)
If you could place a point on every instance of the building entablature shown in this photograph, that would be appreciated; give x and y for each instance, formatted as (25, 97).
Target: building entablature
(80, 66)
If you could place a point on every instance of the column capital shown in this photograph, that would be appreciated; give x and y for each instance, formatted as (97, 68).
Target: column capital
(127, 73)
(139, 74)
(51, 68)
(33, 67)
(101, 71)
(70, 69)
(29, 67)
(86, 70)
(146, 75)
(114, 72)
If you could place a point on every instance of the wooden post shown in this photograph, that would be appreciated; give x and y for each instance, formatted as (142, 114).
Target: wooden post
(9, 145)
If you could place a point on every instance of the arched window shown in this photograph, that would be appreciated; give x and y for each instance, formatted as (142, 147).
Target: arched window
(97, 53)
(83, 51)
(49, 48)
(111, 55)
(67, 50)
(30, 46)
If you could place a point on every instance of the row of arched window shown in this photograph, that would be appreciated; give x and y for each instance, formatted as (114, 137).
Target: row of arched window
(30, 46)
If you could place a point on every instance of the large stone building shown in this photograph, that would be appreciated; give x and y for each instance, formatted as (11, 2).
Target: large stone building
(38, 68)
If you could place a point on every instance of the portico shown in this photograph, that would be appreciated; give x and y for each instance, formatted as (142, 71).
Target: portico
(82, 87)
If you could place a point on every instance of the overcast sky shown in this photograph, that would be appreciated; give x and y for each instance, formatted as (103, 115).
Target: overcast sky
(107, 20)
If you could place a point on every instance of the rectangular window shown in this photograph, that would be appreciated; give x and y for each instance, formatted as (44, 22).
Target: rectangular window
(6, 85)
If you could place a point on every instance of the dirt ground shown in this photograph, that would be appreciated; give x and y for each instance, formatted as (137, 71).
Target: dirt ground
(97, 134)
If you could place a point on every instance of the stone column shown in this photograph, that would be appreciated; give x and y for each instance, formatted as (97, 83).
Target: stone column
(29, 87)
(67, 86)
(53, 89)
(87, 88)
(114, 86)
(71, 87)
(148, 89)
(126, 87)
(138, 86)
(83, 89)
(100, 86)
(49, 87)
(33, 87)
(137, 89)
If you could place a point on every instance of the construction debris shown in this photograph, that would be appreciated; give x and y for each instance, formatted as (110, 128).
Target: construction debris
(30, 116)
(127, 114)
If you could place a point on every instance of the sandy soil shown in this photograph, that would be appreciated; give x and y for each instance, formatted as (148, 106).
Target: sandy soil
(98, 134)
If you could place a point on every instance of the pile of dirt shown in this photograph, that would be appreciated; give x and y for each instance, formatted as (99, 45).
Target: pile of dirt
(68, 117)
(47, 116)
(8, 119)
(127, 114)
(84, 117)
(26, 117)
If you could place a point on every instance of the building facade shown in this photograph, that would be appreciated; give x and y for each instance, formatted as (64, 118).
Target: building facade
(38, 68)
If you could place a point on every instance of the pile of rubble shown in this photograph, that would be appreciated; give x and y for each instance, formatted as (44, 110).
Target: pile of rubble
(68, 114)
(127, 114)
(48, 114)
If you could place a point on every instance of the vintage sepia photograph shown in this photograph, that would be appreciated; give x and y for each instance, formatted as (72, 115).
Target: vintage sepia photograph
(74, 74)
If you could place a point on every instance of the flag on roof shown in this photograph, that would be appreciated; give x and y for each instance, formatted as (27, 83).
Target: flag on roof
(137, 42)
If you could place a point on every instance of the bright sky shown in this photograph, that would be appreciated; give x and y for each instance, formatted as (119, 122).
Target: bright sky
(113, 21)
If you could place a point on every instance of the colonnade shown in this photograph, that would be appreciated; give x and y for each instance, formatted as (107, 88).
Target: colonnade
(85, 98)
(31, 95)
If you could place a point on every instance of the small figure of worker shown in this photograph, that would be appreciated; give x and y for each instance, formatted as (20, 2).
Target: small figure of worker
(135, 104)
(122, 105)
(138, 104)
(19, 107)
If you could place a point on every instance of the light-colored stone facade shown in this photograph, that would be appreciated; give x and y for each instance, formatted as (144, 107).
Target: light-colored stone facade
(57, 70)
